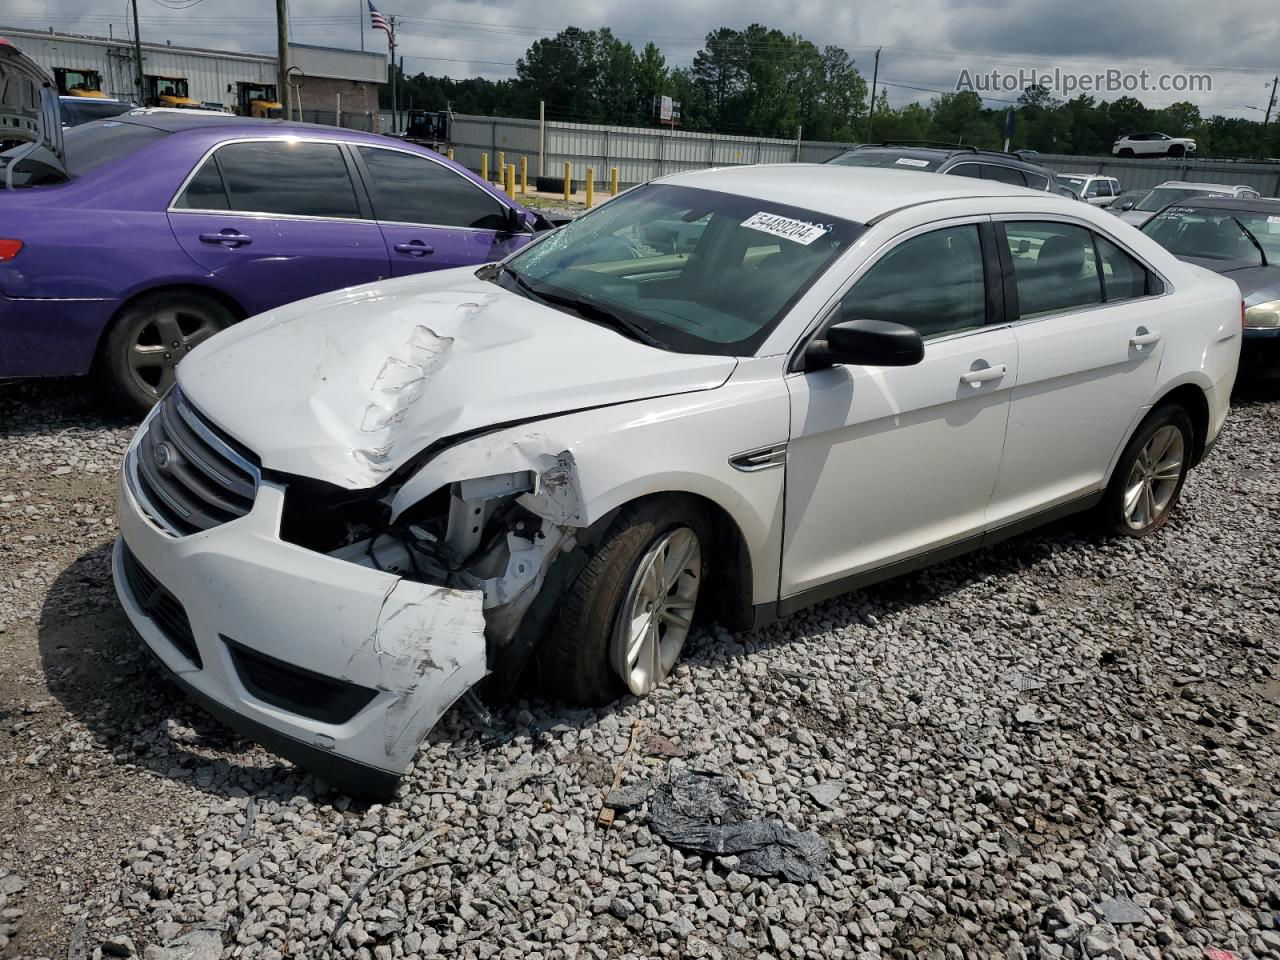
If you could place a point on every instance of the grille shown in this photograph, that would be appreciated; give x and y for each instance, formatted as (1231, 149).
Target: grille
(186, 474)
(161, 606)
(297, 689)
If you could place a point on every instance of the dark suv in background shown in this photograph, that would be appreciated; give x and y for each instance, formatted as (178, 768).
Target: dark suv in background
(962, 161)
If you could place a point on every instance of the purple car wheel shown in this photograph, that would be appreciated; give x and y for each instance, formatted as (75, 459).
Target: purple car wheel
(149, 340)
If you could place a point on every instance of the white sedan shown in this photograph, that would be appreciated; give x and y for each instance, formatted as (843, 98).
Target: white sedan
(723, 395)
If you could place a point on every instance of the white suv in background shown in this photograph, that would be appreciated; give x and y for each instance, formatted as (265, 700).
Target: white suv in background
(1153, 144)
(725, 395)
(1095, 190)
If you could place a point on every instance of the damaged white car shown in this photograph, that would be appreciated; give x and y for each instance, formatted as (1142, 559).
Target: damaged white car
(723, 395)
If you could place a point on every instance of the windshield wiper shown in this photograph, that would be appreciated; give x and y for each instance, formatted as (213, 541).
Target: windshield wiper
(587, 309)
(1252, 239)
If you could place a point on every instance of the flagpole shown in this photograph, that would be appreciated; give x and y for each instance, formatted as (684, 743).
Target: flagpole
(391, 39)
(363, 14)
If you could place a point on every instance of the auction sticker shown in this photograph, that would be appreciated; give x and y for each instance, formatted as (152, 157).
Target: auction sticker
(911, 162)
(797, 231)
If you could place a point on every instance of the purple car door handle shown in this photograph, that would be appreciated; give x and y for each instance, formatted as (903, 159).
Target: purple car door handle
(414, 248)
(228, 237)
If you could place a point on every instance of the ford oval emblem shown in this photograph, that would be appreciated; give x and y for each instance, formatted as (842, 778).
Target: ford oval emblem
(162, 454)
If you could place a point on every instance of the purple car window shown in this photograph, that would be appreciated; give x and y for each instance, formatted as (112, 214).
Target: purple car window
(289, 178)
(413, 189)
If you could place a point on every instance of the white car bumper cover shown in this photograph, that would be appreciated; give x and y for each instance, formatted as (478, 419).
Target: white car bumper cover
(341, 639)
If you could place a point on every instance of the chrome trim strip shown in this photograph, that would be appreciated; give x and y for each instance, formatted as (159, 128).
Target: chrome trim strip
(192, 418)
(761, 458)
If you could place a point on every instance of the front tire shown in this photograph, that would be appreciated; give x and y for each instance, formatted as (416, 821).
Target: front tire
(149, 338)
(623, 623)
(1177, 150)
(1149, 476)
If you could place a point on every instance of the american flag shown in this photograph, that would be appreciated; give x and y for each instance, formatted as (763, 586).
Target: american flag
(377, 21)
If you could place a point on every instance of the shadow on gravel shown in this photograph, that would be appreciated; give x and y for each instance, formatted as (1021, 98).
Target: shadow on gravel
(44, 406)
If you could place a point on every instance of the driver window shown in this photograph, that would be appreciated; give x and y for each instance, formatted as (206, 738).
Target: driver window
(932, 282)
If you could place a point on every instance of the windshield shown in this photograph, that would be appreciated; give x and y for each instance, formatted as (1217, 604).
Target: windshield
(1163, 196)
(1077, 182)
(1217, 234)
(906, 160)
(691, 270)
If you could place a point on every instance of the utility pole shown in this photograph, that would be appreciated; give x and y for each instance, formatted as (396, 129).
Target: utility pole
(1266, 118)
(137, 54)
(282, 56)
(871, 113)
(360, 18)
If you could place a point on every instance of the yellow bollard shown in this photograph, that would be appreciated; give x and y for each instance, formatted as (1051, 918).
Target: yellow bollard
(502, 165)
(568, 175)
(484, 166)
(524, 174)
(451, 153)
(591, 187)
(613, 181)
(511, 180)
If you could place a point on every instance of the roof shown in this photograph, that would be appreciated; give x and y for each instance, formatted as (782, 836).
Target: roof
(859, 194)
(176, 121)
(1194, 185)
(943, 152)
(1267, 205)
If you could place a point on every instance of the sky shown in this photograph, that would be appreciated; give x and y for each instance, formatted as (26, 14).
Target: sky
(925, 44)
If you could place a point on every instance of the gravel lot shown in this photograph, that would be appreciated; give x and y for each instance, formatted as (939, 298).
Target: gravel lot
(1062, 747)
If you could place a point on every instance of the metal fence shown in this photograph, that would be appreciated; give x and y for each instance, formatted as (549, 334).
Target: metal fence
(642, 154)
(1138, 174)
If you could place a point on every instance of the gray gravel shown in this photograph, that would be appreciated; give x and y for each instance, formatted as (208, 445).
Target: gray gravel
(1062, 747)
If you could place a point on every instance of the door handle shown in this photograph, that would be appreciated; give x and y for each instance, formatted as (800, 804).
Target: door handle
(984, 374)
(1143, 339)
(415, 248)
(229, 237)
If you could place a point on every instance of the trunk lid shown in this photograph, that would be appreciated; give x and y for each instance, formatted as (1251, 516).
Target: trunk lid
(30, 121)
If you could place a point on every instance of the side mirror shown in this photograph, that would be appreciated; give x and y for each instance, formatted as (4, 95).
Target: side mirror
(1127, 205)
(518, 221)
(874, 343)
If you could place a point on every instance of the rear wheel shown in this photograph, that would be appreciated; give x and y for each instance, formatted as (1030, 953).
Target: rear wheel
(1125, 152)
(148, 340)
(623, 623)
(1148, 478)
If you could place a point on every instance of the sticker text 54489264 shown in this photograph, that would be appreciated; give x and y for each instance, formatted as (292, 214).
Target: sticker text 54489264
(797, 231)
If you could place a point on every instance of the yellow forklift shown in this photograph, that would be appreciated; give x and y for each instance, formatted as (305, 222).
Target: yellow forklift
(258, 100)
(79, 83)
(168, 92)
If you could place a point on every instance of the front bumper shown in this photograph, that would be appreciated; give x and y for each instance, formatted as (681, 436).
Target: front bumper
(1260, 353)
(337, 666)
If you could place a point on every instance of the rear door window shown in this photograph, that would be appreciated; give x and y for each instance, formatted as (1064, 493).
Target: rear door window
(206, 190)
(1123, 278)
(408, 188)
(287, 178)
(1054, 266)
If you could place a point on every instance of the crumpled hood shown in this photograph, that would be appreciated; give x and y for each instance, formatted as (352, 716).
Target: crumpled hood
(346, 387)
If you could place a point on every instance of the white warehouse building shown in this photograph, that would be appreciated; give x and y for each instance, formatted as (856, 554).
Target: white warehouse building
(326, 79)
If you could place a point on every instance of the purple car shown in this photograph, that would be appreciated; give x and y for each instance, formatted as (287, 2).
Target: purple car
(126, 242)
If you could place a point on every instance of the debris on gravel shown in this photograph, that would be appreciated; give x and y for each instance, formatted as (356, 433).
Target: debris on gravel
(1062, 747)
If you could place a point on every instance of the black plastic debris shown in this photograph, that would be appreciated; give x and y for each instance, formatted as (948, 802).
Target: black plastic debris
(703, 813)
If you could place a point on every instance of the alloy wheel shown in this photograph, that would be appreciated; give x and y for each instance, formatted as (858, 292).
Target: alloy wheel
(657, 611)
(1153, 479)
(162, 341)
